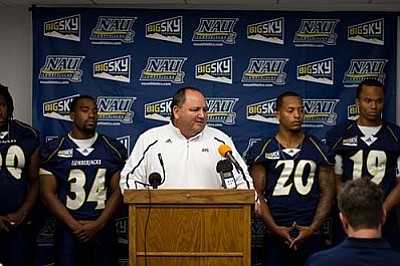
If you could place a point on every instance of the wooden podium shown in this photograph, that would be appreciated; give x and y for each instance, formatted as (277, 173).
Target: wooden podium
(189, 227)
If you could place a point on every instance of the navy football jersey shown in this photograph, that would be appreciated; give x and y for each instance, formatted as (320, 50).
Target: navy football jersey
(16, 148)
(292, 188)
(373, 157)
(83, 176)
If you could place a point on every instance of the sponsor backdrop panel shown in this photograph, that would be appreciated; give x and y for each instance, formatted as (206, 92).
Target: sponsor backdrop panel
(132, 61)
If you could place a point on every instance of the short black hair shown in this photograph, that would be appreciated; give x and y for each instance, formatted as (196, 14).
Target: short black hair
(279, 99)
(9, 100)
(361, 203)
(73, 104)
(369, 82)
(179, 98)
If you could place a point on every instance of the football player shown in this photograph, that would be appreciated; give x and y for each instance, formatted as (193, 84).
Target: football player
(369, 148)
(293, 176)
(79, 180)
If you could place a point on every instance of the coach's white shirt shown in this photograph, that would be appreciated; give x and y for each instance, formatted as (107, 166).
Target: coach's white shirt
(188, 163)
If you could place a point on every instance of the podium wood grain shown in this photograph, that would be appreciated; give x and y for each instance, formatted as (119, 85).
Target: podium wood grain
(189, 227)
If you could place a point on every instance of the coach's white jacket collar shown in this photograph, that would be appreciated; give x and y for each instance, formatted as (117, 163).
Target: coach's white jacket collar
(179, 135)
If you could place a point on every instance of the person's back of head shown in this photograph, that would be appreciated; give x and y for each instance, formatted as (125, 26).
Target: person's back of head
(360, 201)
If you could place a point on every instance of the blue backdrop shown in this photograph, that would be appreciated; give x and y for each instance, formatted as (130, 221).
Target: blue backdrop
(133, 60)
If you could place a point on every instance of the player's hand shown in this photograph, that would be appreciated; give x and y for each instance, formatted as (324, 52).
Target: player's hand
(87, 231)
(16, 217)
(283, 233)
(5, 224)
(305, 233)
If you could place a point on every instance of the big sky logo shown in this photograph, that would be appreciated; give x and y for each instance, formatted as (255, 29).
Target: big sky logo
(318, 71)
(265, 70)
(316, 31)
(267, 31)
(219, 30)
(159, 110)
(118, 69)
(167, 69)
(62, 67)
(113, 29)
(115, 109)
(220, 110)
(361, 69)
(318, 112)
(219, 70)
(353, 112)
(58, 108)
(368, 32)
(68, 28)
(169, 30)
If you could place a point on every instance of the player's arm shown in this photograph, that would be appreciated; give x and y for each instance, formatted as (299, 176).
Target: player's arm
(326, 186)
(33, 191)
(393, 199)
(48, 188)
(113, 202)
(259, 175)
(338, 172)
(90, 229)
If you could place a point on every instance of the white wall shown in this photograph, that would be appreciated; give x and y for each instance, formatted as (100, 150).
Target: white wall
(16, 59)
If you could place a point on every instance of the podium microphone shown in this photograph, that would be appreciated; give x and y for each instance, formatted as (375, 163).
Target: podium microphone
(226, 152)
(224, 168)
(155, 180)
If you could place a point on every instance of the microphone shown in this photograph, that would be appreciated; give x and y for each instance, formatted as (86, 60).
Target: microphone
(155, 180)
(162, 166)
(226, 152)
(224, 168)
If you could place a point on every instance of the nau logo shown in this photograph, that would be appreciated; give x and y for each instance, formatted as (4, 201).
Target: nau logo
(352, 112)
(62, 67)
(126, 141)
(219, 30)
(115, 109)
(170, 30)
(118, 69)
(361, 69)
(318, 112)
(220, 110)
(219, 70)
(164, 69)
(267, 31)
(319, 71)
(58, 108)
(68, 28)
(316, 31)
(265, 70)
(114, 29)
(368, 32)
